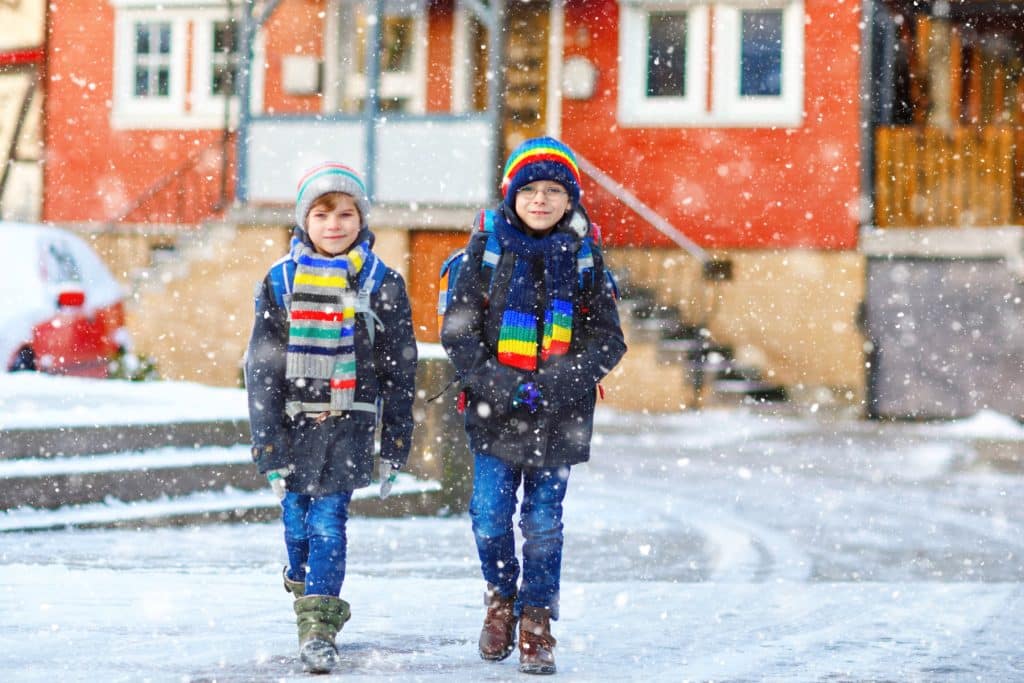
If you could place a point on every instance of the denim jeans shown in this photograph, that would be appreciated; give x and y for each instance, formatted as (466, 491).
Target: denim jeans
(495, 484)
(314, 535)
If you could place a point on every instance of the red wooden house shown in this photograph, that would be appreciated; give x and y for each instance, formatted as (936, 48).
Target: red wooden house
(725, 131)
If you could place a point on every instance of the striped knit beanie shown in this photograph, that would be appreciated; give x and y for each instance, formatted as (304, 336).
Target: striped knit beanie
(330, 177)
(540, 159)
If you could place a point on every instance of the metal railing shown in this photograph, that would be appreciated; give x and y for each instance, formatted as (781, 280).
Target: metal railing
(655, 220)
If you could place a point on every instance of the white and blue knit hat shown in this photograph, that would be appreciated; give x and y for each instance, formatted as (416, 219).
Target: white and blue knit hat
(330, 177)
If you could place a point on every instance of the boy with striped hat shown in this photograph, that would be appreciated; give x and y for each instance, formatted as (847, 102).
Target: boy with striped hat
(332, 347)
(529, 347)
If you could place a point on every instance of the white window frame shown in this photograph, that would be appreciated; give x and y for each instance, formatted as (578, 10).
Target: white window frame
(191, 26)
(130, 111)
(730, 107)
(716, 24)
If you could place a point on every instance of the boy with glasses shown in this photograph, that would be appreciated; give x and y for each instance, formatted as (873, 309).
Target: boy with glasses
(529, 346)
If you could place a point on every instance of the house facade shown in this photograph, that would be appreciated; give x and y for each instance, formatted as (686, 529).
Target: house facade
(22, 72)
(726, 132)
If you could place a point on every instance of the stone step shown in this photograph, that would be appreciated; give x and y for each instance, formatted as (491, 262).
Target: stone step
(410, 496)
(87, 440)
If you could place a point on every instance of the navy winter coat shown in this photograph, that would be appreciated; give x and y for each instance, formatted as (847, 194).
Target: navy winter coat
(336, 454)
(559, 433)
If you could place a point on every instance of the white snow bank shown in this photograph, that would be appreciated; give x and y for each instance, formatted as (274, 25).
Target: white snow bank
(32, 401)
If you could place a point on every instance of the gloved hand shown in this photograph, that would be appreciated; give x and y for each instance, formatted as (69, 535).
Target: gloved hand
(277, 484)
(388, 473)
(527, 395)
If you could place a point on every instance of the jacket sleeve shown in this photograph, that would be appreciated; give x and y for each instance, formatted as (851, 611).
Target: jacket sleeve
(395, 359)
(463, 336)
(265, 383)
(598, 345)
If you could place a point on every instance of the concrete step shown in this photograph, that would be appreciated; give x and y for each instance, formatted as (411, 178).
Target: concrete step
(410, 496)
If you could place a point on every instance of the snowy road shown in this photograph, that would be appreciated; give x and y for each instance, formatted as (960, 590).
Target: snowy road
(717, 546)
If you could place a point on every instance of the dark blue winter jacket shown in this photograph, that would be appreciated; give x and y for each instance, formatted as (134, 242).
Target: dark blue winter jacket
(560, 432)
(335, 454)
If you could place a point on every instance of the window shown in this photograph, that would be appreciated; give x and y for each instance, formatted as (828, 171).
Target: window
(666, 54)
(685, 62)
(152, 59)
(152, 86)
(215, 62)
(402, 56)
(224, 58)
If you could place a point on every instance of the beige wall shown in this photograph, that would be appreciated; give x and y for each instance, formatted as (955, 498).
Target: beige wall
(193, 314)
(792, 313)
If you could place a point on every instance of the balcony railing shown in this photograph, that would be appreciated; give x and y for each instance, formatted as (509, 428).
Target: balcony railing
(927, 176)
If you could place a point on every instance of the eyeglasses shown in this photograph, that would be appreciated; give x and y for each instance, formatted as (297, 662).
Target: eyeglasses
(529, 192)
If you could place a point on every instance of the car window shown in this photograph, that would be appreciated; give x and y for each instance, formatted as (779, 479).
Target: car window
(59, 264)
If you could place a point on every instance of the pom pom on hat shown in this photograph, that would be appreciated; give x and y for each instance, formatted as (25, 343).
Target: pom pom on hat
(540, 159)
(325, 178)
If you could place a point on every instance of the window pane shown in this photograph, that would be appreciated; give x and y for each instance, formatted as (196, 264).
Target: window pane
(761, 53)
(225, 37)
(141, 81)
(396, 54)
(666, 54)
(141, 39)
(163, 81)
(224, 80)
(165, 38)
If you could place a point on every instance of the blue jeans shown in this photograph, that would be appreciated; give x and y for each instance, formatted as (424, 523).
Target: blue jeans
(495, 484)
(314, 535)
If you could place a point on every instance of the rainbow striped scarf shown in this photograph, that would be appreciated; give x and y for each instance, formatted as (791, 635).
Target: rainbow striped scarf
(555, 254)
(321, 332)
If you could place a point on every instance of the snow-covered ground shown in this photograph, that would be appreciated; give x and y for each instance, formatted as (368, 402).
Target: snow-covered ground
(724, 545)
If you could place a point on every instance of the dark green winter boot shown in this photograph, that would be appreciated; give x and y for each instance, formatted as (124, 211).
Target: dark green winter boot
(296, 588)
(319, 618)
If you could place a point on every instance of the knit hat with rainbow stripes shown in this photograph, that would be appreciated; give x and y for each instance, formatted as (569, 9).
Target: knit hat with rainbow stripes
(330, 177)
(540, 159)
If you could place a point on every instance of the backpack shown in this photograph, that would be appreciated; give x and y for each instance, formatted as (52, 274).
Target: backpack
(282, 274)
(450, 268)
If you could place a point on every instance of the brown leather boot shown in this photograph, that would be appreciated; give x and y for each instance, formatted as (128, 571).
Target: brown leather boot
(497, 637)
(536, 644)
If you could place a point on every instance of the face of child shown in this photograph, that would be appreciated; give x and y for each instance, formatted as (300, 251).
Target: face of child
(333, 223)
(541, 204)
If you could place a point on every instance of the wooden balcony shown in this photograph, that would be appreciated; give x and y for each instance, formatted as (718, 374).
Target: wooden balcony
(965, 176)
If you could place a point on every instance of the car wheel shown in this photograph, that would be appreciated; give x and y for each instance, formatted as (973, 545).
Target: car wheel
(24, 361)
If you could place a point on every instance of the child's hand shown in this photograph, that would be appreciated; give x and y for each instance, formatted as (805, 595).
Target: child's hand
(388, 473)
(277, 484)
(527, 395)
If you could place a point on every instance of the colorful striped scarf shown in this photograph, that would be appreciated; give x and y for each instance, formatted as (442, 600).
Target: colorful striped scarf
(556, 254)
(321, 332)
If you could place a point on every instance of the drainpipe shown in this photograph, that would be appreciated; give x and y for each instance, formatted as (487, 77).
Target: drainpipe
(250, 24)
(371, 106)
(496, 93)
(867, 138)
(244, 90)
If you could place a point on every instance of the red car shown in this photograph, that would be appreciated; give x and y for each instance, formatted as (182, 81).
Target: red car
(62, 311)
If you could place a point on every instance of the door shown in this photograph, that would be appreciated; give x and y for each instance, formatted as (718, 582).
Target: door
(427, 251)
(526, 71)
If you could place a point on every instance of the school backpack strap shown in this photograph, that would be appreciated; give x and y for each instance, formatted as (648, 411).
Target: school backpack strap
(371, 277)
(447, 276)
(282, 274)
